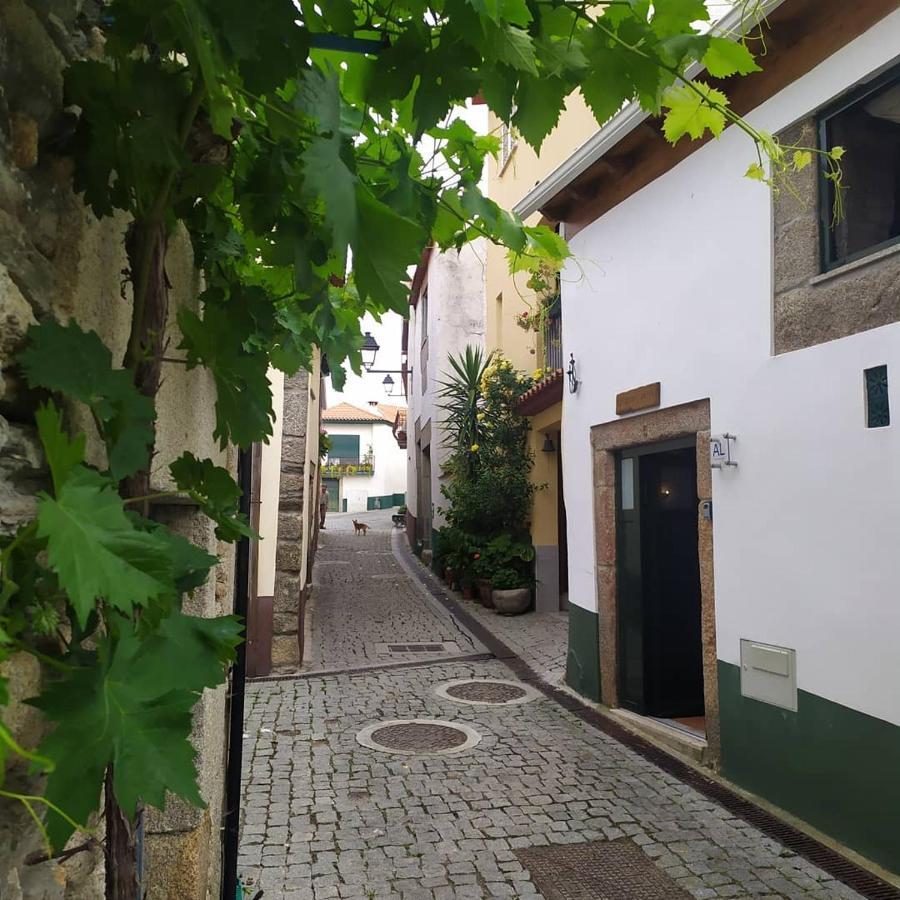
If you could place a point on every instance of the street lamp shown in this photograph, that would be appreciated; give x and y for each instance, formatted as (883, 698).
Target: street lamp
(388, 383)
(368, 350)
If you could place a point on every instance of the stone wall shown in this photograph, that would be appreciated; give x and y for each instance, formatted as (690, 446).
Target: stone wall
(810, 306)
(290, 562)
(57, 260)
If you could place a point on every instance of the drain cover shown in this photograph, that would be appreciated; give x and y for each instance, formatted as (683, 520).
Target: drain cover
(600, 870)
(416, 648)
(486, 692)
(419, 736)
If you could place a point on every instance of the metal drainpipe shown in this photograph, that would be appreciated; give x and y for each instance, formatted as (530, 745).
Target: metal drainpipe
(232, 821)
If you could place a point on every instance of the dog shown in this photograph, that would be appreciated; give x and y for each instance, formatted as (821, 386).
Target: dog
(360, 527)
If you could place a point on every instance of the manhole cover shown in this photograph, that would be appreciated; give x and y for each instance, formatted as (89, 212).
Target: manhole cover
(486, 692)
(419, 736)
(600, 870)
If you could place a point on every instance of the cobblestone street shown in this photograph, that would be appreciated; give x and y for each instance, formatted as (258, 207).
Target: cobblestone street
(326, 816)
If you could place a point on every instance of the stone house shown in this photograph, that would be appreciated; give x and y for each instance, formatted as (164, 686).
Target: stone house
(728, 449)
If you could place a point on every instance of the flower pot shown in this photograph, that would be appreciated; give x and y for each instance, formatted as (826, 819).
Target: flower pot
(484, 592)
(511, 603)
(448, 575)
(468, 592)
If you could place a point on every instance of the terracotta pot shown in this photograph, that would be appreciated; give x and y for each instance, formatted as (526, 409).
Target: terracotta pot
(512, 603)
(484, 592)
(448, 575)
(468, 592)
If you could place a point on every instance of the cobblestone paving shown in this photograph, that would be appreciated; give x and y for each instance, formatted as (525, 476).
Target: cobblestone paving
(540, 639)
(363, 598)
(327, 818)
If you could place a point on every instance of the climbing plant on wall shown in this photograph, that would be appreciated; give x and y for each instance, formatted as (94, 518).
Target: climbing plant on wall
(284, 138)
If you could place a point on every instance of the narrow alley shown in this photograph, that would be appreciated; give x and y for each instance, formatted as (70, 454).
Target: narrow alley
(502, 794)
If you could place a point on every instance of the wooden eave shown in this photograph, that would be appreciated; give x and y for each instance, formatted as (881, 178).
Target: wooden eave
(798, 36)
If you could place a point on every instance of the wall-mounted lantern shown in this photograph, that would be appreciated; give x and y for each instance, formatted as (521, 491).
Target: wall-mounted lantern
(368, 350)
(570, 373)
(549, 446)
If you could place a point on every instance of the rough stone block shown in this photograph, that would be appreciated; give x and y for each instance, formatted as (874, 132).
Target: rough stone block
(285, 650)
(290, 526)
(178, 865)
(289, 556)
(287, 593)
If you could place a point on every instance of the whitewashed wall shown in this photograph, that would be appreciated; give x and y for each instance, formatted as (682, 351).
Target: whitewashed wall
(455, 319)
(675, 285)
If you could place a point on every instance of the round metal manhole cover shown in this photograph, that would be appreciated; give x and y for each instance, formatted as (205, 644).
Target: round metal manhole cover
(430, 737)
(486, 692)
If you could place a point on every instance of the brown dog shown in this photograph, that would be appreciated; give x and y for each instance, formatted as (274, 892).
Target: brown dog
(360, 527)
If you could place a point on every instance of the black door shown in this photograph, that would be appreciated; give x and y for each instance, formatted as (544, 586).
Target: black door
(660, 649)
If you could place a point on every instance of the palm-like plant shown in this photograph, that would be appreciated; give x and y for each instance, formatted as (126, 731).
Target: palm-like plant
(460, 396)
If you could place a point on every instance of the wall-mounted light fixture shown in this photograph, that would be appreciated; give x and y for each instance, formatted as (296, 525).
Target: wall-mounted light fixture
(570, 372)
(549, 446)
(389, 384)
(368, 350)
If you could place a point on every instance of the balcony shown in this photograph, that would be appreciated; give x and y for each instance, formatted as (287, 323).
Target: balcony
(552, 337)
(338, 467)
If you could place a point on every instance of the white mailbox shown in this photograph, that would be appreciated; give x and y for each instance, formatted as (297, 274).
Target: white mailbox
(769, 674)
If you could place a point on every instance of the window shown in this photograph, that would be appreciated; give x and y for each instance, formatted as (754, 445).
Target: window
(344, 449)
(878, 410)
(866, 124)
(423, 305)
(508, 140)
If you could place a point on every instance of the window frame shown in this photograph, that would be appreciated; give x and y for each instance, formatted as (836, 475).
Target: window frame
(854, 96)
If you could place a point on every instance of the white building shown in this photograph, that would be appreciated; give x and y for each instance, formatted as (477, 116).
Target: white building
(446, 313)
(365, 467)
(756, 605)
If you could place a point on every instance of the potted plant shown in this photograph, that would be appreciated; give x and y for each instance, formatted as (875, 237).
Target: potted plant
(511, 592)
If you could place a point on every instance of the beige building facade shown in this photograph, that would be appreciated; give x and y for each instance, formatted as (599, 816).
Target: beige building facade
(518, 169)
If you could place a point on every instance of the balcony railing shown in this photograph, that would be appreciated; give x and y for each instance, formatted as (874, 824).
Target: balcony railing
(337, 467)
(553, 352)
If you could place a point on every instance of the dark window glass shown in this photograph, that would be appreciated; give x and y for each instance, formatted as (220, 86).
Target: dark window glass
(867, 126)
(344, 447)
(878, 410)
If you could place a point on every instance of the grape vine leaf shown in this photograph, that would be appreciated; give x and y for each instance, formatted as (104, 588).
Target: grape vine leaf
(131, 707)
(514, 46)
(676, 16)
(725, 57)
(388, 245)
(95, 551)
(77, 363)
(63, 454)
(216, 492)
(689, 112)
(243, 397)
(325, 173)
(541, 101)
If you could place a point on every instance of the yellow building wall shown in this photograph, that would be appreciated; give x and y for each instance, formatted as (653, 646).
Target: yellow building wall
(507, 296)
(545, 511)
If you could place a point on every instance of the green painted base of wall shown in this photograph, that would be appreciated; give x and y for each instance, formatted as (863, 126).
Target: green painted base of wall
(832, 766)
(385, 501)
(583, 660)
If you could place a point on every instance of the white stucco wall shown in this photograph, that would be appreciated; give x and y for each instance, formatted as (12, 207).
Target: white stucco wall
(456, 310)
(675, 285)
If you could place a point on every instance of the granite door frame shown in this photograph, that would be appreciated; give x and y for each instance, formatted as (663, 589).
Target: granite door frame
(685, 420)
